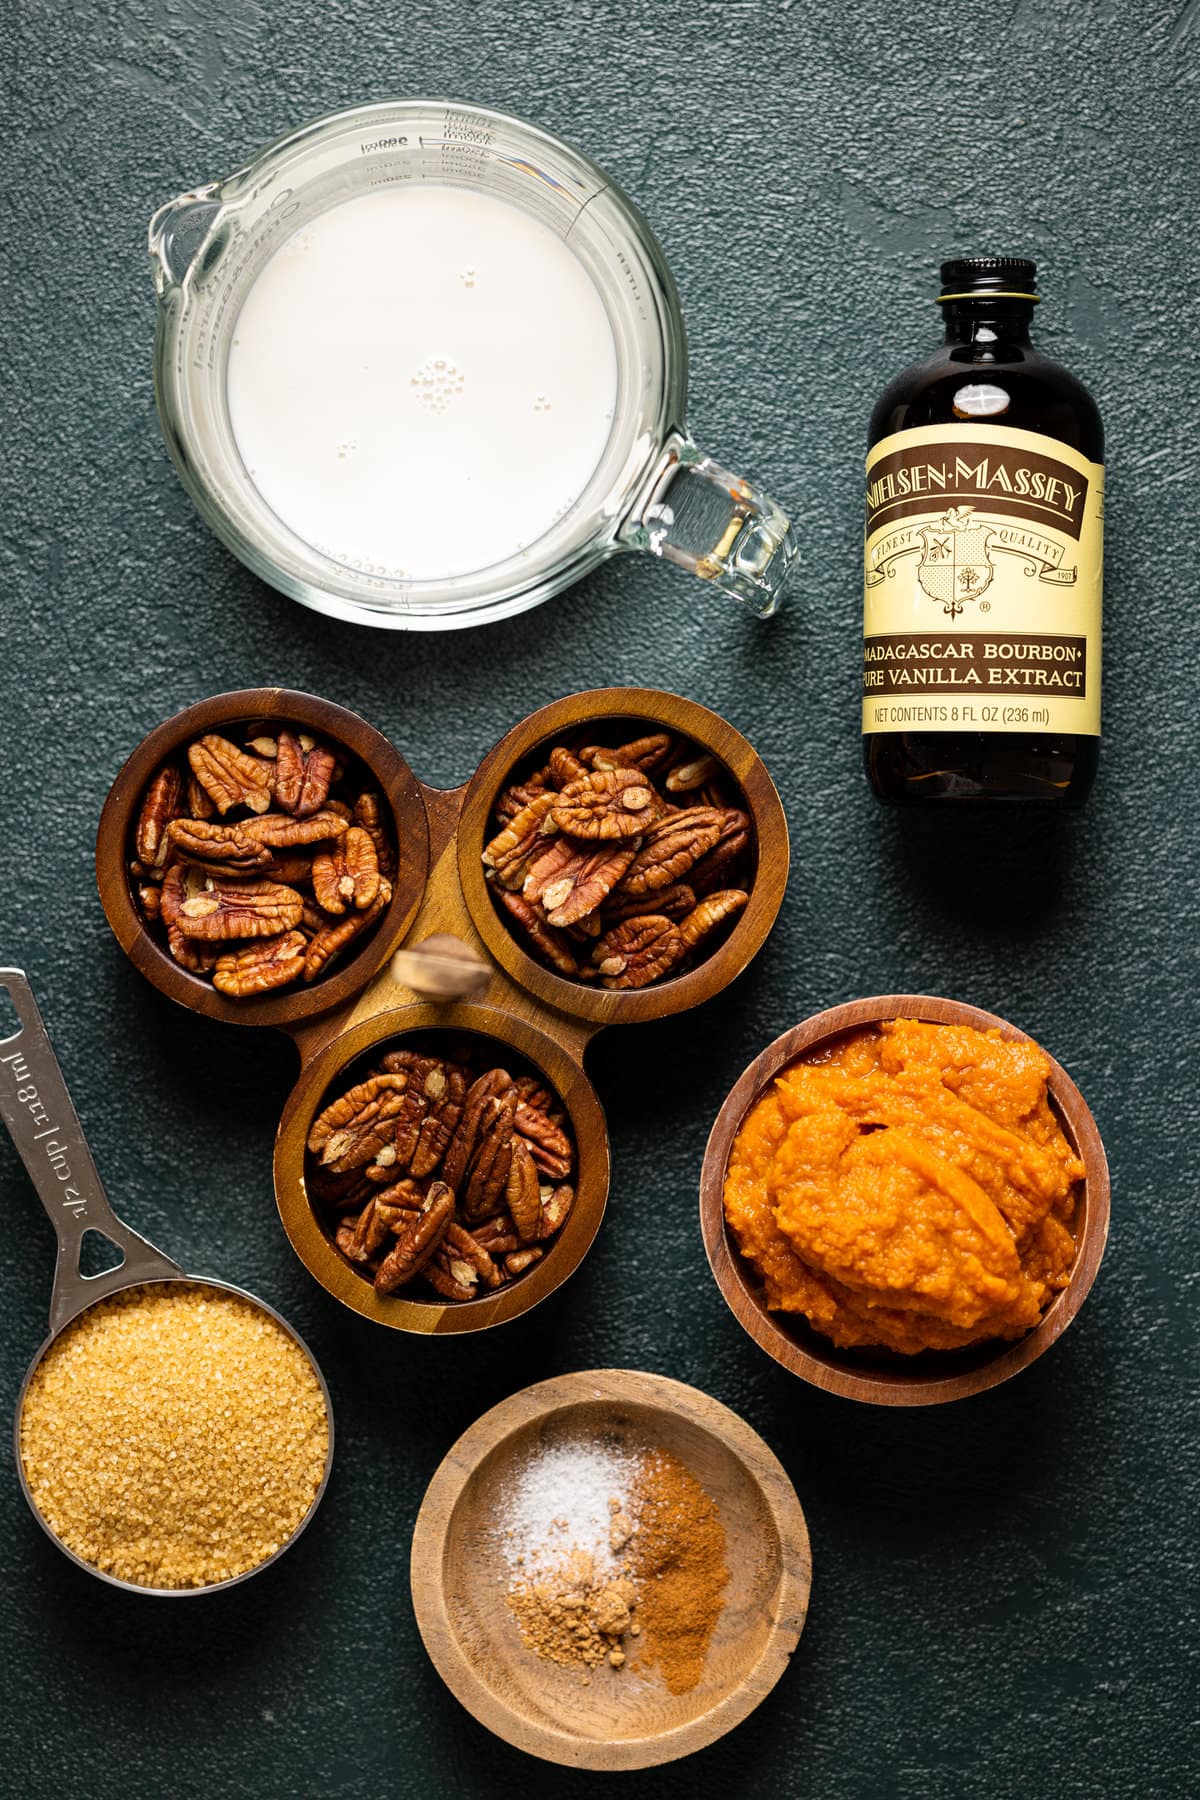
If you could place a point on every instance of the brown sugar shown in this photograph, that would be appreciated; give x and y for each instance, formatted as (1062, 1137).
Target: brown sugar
(174, 1436)
(677, 1556)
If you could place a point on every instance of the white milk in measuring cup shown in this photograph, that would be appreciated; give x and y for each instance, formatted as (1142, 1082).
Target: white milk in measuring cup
(422, 381)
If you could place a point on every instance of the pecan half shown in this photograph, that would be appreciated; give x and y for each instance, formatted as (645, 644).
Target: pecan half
(443, 1278)
(402, 1196)
(196, 958)
(150, 899)
(549, 1144)
(370, 815)
(546, 941)
(409, 1121)
(467, 1133)
(533, 1092)
(179, 884)
(355, 1126)
(292, 870)
(711, 912)
(556, 1204)
(182, 883)
(732, 844)
(484, 1185)
(418, 1067)
(438, 1127)
(280, 832)
(161, 806)
(223, 849)
(669, 902)
(229, 776)
(269, 963)
(472, 1251)
(609, 803)
(670, 848)
(496, 1242)
(417, 1243)
(517, 1261)
(694, 773)
(304, 771)
(197, 804)
(239, 909)
(578, 889)
(638, 951)
(522, 1192)
(645, 753)
(549, 864)
(564, 767)
(510, 850)
(331, 940)
(516, 797)
(348, 875)
(372, 1229)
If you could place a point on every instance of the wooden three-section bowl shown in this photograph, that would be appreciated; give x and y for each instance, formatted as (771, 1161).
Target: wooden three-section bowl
(618, 1719)
(878, 1376)
(378, 1000)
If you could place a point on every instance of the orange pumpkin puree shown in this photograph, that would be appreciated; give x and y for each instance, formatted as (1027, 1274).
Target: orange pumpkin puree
(910, 1187)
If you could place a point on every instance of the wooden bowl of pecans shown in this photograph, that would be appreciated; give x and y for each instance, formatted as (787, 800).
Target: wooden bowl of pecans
(623, 853)
(442, 1170)
(261, 854)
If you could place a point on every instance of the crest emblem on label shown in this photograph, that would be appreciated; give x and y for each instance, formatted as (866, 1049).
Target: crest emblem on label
(955, 567)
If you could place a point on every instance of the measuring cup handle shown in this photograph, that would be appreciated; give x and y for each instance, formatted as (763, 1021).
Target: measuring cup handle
(42, 1123)
(718, 527)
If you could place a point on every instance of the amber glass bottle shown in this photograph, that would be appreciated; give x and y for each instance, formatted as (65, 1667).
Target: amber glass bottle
(983, 561)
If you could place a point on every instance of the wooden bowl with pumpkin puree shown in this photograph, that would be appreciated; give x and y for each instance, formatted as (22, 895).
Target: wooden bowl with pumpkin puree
(905, 1200)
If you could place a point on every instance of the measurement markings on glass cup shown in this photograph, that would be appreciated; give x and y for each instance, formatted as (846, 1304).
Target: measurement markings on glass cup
(25, 1093)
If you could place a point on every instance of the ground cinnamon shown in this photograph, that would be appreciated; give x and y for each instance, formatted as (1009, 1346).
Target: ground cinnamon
(677, 1557)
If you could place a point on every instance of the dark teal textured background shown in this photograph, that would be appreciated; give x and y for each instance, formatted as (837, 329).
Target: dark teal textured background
(1003, 1589)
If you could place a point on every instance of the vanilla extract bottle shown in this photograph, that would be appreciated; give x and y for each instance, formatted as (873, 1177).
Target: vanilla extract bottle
(983, 559)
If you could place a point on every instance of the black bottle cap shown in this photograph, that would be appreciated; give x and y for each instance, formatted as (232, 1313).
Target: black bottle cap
(1005, 277)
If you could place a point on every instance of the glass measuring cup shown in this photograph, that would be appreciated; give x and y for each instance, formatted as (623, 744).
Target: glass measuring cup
(37, 1112)
(652, 489)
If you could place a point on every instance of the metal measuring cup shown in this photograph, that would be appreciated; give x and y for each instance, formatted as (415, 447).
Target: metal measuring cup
(37, 1111)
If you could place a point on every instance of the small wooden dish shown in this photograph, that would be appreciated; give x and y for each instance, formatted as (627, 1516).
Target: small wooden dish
(633, 709)
(880, 1377)
(441, 958)
(619, 1720)
(328, 1074)
(261, 707)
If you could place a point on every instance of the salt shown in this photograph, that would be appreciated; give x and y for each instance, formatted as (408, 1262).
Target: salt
(559, 1504)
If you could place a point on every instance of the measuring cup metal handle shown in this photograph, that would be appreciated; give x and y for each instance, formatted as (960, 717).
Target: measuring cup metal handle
(42, 1123)
(715, 525)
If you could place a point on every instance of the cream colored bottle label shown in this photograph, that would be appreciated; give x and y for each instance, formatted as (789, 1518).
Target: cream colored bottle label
(983, 568)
